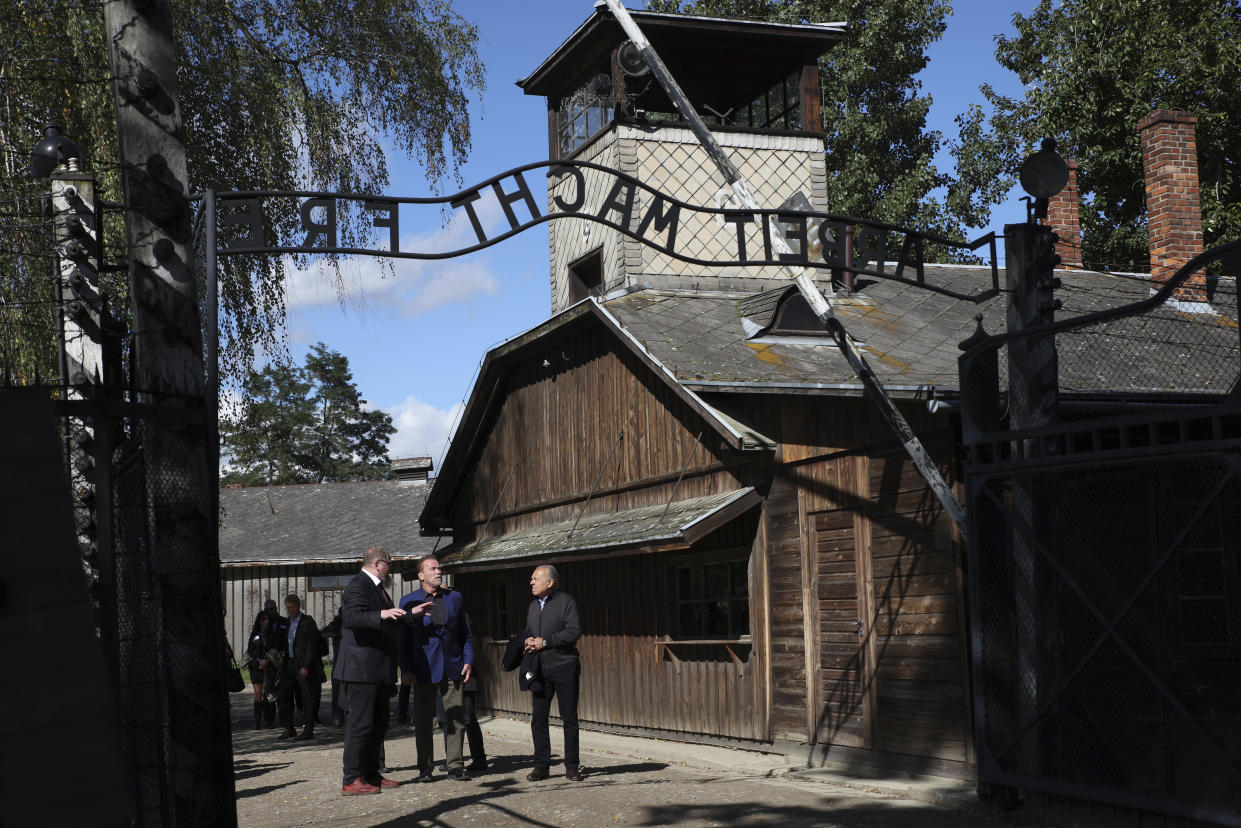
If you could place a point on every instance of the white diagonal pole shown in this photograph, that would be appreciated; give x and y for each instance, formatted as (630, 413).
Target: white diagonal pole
(801, 277)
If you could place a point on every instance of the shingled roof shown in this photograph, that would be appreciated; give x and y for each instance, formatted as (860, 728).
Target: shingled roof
(910, 336)
(321, 523)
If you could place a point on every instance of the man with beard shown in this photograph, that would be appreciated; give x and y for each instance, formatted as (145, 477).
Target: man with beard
(366, 669)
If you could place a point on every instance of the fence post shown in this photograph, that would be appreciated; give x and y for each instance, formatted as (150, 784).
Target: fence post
(1033, 395)
(177, 717)
(75, 229)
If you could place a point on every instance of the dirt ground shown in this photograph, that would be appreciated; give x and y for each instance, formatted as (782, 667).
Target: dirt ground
(628, 782)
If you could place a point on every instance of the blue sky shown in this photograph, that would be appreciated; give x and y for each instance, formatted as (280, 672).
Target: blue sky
(415, 337)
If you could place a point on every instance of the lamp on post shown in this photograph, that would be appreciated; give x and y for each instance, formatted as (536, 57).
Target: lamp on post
(53, 151)
(1042, 175)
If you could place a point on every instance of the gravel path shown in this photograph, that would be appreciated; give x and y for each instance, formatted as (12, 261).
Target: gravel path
(281, 783)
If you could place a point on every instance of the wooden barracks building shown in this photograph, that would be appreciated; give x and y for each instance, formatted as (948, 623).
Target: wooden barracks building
(755, 556)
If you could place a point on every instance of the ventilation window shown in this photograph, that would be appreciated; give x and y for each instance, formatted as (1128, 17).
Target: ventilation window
(795, 317)
(586, 277)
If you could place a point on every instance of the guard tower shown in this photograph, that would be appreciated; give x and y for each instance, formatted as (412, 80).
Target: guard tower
(756, 84)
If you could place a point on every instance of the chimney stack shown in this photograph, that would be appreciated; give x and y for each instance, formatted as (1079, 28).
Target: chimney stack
(1062, 216)
(1173, 204)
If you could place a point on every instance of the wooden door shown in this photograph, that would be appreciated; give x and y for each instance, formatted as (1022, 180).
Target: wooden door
(845, 694)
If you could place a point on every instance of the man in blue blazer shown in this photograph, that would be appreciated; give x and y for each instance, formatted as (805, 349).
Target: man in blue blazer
(436, 657)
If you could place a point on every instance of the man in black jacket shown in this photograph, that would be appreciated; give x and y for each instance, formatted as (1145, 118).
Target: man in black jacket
(366, 667)
(554, 627)
(302, 667)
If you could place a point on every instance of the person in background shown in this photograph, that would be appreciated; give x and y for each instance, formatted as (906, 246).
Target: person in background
(332, 633)
(262, 672)
(302, 667)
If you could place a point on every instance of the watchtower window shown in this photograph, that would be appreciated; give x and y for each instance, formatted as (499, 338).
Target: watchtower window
(777, 108)
(584, 113)
(586, 277)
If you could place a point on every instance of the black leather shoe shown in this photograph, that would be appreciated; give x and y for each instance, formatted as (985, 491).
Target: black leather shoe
(308, 733)
(459, 775)
(287, 733)
(477, 766)
(426, 776)
(573, 774)
(538, 775)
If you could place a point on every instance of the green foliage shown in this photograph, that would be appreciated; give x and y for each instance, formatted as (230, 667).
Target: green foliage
(879, 151)
(275, 94)
(1092, 69)
(305, 425)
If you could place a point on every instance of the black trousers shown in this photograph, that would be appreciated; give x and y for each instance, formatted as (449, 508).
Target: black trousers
(563, 684)
(366, 723)
(292, 680)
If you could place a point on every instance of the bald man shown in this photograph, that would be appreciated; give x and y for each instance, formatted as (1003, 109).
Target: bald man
(554, 627)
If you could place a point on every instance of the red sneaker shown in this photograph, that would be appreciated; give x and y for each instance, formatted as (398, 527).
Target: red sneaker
(380, 782)
(358, 786)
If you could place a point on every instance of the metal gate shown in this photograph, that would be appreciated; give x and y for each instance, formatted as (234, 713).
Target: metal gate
(1105, 588)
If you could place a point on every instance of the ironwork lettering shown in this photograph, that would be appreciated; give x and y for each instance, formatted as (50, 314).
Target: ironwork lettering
(740, 219)
(870, 244)
(818, 240)
(467, 201)
(391, 219)
(507, 199)
(660, 219)
(315, 229)
(250, 217)
(794, 231)
(612, 202)
(911, 256)
(579, 197)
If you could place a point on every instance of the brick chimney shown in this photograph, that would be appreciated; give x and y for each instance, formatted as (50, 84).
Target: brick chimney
(1062, 216)
(1173, 205)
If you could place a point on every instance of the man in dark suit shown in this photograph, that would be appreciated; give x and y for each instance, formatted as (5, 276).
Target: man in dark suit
(366, 668)
(302, 667)
(552, 621)
(437, 658)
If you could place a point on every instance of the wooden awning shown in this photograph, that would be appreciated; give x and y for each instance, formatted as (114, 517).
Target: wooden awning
(644, 529)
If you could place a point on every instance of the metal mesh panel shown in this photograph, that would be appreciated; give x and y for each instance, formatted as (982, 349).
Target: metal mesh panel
(1109, 630)
(1105, 556)
(174, 707)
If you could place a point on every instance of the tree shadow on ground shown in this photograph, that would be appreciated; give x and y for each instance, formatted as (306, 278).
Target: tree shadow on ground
(248, 768)
(265, 789)
(828, 814)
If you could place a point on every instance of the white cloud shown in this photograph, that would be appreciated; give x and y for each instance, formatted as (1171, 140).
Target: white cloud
(422, 430)
(411, 285)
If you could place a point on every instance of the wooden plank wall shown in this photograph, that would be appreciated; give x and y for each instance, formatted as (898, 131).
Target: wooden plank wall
(854, 535)
(630, 676)
(246, 588)
(556, 426)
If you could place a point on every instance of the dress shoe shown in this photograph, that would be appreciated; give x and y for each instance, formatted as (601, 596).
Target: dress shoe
(573, 774)
(477, 766)
(459, 775)
(307, 733)
(381, 782)
(426, 776)
(358, 786)
(287, 733)
(538, 775)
